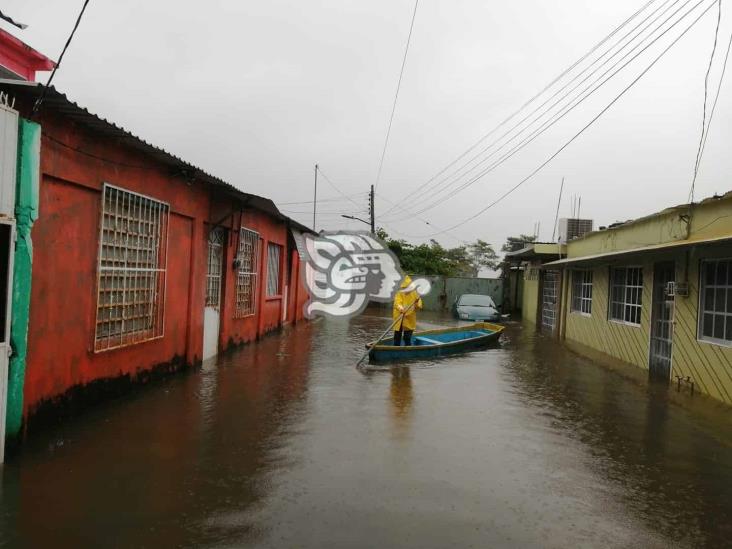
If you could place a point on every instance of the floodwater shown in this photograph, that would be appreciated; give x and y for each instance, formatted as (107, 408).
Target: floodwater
(286, 444)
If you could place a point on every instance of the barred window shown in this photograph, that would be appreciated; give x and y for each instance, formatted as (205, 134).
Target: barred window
(246, 276)
(132, 260)
(582, 291)
(214, 269)
(715, 307)
(274, 251)
(626, 294)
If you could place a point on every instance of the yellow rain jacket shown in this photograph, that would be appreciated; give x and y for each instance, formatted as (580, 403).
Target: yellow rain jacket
(403, 301)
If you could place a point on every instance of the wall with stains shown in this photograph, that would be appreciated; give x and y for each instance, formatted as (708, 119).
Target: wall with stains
(75, 163)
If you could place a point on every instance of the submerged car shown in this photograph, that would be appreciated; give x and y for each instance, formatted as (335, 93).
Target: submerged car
(476, 307)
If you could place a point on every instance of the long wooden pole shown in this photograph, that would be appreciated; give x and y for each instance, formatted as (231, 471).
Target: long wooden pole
(391, 326)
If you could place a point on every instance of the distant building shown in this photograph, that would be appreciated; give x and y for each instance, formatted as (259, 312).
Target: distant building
(128, 260)
(655, 292)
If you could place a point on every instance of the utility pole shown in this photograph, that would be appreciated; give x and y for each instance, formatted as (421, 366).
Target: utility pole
(371, 210)
(315, 195)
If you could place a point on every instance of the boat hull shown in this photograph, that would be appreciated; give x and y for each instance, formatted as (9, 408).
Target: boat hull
(436, 343)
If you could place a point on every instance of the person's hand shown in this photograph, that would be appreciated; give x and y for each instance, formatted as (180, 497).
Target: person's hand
(400, 308)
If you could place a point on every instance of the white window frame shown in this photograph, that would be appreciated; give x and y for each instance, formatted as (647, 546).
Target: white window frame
(581, 302)
(125, 246)
(249, 241)
(278, 273)
(727, 287)
(627, 290)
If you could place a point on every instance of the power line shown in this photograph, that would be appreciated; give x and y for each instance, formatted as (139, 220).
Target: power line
(39, 101)
(422, 220)
(716, 97)
(563, 110)
(396, 96)
(321, 200)
(704, 110)
(571, 140)
(536, 96)
(320, 171)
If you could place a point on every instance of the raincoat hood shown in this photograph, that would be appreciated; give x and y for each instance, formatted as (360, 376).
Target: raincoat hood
(406, 282)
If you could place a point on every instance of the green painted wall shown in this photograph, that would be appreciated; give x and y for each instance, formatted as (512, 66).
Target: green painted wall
(26, 212)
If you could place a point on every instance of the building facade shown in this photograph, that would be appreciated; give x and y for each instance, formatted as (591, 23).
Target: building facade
(141, 262)
(655, 293)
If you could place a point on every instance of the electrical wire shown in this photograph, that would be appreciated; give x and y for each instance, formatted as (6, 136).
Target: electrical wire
(40, 99)
(396, 96)
(422, 220)
(536, 96)
(580, 132)
(562, 113)
(704, 110)
(320, 171)
(563, 110)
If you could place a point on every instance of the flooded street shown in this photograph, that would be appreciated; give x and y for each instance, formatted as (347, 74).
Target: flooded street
(286, 444)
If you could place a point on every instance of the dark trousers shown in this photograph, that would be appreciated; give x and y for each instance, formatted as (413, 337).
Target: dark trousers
(407, 337)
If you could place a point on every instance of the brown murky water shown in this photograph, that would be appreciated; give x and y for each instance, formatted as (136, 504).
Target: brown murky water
(285, 444)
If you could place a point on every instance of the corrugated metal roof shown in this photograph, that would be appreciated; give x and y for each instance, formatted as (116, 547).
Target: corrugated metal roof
(59, 102)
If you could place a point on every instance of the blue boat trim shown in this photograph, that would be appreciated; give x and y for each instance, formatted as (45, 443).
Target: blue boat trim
(431, 343)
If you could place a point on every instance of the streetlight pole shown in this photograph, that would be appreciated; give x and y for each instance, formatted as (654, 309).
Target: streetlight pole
(315, 194)
(371, 210)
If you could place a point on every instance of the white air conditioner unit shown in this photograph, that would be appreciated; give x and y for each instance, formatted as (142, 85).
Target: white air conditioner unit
(570, 228)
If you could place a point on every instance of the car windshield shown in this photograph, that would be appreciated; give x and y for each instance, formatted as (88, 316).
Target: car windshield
(476, 301)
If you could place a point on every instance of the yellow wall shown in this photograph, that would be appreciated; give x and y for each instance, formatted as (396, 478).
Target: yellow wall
(708, 364)
(622, 341)
(530, 299)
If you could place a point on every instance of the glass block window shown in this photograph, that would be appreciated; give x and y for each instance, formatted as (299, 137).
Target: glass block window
(582, 292)
(715, 301)
(246, 275)
(131, 269)
(274, 252)
(626, 294)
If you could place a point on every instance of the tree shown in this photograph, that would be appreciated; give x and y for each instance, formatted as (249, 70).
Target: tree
(512, 244)
(434, 259)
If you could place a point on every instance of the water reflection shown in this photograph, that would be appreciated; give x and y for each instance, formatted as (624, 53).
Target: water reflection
(401, 398)
(658, 453)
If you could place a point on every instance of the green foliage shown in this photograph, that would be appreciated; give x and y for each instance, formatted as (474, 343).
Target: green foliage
(512, 244)
(434, 259)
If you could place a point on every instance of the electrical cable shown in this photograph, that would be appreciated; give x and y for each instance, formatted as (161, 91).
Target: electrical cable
(579, 133)
(562, 113)
(320, 171)
(40, 99)
(396, 96)
(536, 96)
(564, 110)
(704, 110)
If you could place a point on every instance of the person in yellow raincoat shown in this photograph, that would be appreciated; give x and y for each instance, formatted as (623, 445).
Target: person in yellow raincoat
(406, 300)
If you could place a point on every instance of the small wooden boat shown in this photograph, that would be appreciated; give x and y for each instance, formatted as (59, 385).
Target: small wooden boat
(433, 343)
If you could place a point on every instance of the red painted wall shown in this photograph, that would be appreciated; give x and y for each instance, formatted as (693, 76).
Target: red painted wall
(65, 242)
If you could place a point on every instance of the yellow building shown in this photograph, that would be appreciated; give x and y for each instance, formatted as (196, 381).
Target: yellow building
(655, 292)
(527, 263)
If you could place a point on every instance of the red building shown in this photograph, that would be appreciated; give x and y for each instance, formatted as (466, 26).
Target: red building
(142, 262)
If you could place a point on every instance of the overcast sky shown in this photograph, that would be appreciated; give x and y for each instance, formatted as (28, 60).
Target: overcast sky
(258, 92)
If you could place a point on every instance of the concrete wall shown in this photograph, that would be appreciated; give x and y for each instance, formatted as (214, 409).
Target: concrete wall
(61, 355)
(530, 298)
(445, 290)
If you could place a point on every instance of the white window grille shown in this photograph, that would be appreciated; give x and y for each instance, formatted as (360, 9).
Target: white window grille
(246, 277)
(274, 252)
(715, 301)
(132, 261)
(213, 273)
(582, 292)
(626, 294)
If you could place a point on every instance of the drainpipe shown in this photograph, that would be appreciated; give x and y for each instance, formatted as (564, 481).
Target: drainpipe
(26, 212)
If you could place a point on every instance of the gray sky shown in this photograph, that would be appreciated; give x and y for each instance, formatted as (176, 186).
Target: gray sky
(258, 92)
